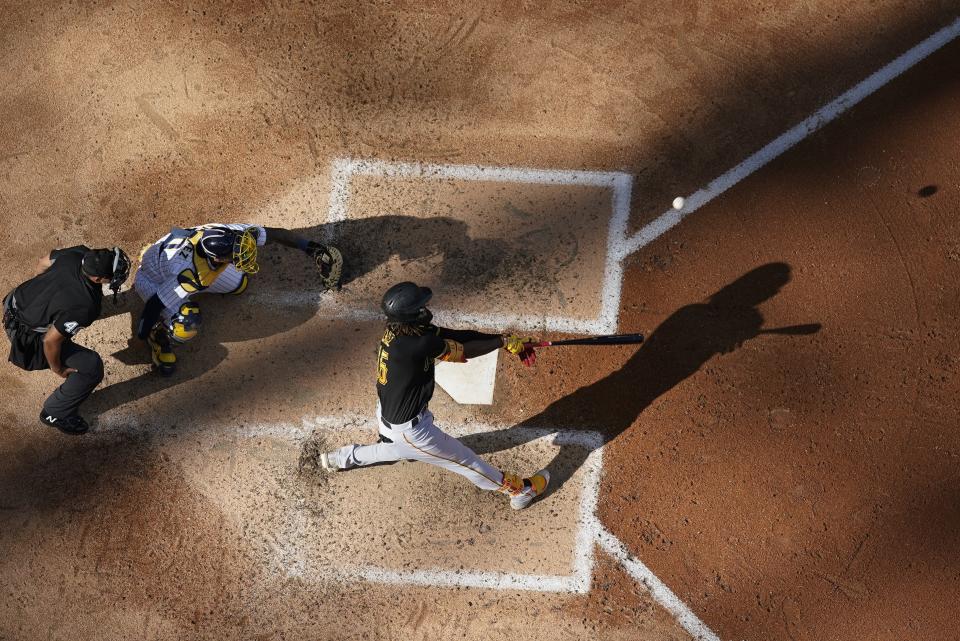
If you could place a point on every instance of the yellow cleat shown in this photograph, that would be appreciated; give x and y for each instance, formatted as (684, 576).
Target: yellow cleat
(538, 485)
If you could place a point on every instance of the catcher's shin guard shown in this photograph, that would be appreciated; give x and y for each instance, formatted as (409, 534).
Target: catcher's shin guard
(161, 351)
(185, 324)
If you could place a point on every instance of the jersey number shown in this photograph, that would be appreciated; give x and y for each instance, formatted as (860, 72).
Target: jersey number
(382, 357)
(177, 246)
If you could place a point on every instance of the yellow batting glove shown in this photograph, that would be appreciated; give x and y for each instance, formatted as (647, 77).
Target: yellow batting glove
(516, 344)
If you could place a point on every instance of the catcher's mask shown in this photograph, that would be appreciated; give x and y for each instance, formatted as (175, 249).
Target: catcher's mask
(406, 302)
(240, 248)
(107, 263)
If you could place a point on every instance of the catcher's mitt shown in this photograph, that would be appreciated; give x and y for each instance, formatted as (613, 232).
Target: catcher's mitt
(329, 262)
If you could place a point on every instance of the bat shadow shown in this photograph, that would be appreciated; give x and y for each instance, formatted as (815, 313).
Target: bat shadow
(675, 350)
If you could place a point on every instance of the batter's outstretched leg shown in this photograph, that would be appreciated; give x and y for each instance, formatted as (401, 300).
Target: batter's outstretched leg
(421, 440)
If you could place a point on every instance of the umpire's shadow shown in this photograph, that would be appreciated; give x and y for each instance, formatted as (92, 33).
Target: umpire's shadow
(675, 350)
(367, 243)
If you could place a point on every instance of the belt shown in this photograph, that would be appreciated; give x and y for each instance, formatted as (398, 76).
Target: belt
(10, 309)
(10, 314)
(411, 423)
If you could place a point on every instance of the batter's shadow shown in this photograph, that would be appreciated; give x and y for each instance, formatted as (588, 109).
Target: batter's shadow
(366, 243)
(675, 350)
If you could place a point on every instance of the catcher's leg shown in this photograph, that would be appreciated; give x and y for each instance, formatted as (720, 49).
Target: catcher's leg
(161, 350)
(178, 329)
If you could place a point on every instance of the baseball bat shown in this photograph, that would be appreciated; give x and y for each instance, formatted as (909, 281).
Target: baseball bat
(610, 339)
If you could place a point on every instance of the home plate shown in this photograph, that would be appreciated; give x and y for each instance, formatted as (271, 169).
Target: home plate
(469, 383)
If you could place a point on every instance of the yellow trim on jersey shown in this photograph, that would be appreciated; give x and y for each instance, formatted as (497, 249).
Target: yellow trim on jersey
(453, 353)
(203, 273)
(242, 287)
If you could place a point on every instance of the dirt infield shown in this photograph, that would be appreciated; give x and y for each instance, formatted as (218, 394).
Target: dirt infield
(782, 487)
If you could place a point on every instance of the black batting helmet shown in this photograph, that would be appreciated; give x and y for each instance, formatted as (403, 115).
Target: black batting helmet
(406, 302)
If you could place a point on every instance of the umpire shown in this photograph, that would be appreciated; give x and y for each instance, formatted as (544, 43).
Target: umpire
(42, 315)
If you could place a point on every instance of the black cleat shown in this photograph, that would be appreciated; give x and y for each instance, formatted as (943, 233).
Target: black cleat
(74, 425)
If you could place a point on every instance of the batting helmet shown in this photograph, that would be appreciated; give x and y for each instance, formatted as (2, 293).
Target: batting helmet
(406, 302)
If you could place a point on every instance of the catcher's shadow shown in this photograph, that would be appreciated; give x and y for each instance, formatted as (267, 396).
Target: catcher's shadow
(675, 350)
(367, 243)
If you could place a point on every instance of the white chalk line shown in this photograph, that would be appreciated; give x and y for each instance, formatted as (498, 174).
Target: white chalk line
(608, 305)
(291, 559)
(791, 137)
(619, 247)
(582, 559)
(658, 590)
(327, 306)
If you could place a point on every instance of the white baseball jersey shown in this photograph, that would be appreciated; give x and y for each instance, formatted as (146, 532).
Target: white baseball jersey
(172, 268)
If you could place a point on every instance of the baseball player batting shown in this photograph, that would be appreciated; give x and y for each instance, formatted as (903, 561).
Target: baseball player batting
(405, 381)
(214, 258)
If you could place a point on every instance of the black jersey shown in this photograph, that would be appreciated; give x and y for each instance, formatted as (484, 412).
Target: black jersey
(61, 296)
(405, 373)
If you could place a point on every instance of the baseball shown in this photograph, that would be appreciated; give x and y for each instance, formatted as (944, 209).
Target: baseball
(678, 202)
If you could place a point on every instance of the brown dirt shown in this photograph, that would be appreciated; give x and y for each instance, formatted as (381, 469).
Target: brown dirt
(784, 487)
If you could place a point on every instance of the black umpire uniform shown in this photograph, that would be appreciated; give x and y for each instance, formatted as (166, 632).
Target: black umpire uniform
(42, 315)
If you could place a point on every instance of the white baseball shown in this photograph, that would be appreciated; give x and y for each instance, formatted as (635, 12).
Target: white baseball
(678, 202)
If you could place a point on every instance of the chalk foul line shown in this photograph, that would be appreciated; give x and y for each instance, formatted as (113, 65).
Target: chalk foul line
(816, 121)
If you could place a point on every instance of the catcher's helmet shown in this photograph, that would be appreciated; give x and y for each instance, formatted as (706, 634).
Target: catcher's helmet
(406, 302)
(238, 247)
(217, 242)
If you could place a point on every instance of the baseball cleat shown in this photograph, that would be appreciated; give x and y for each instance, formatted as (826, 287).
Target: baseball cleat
(538, 485)
(326, 462)
(161, 353)
(73, 425)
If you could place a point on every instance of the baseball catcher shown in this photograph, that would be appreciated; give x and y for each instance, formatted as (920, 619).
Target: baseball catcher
(405, 381)
(213, 258)
(43, 315)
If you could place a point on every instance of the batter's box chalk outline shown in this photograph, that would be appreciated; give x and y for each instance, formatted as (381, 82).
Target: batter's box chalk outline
(343, 170)
(290, 560)
(590, 532)
(293, 560)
